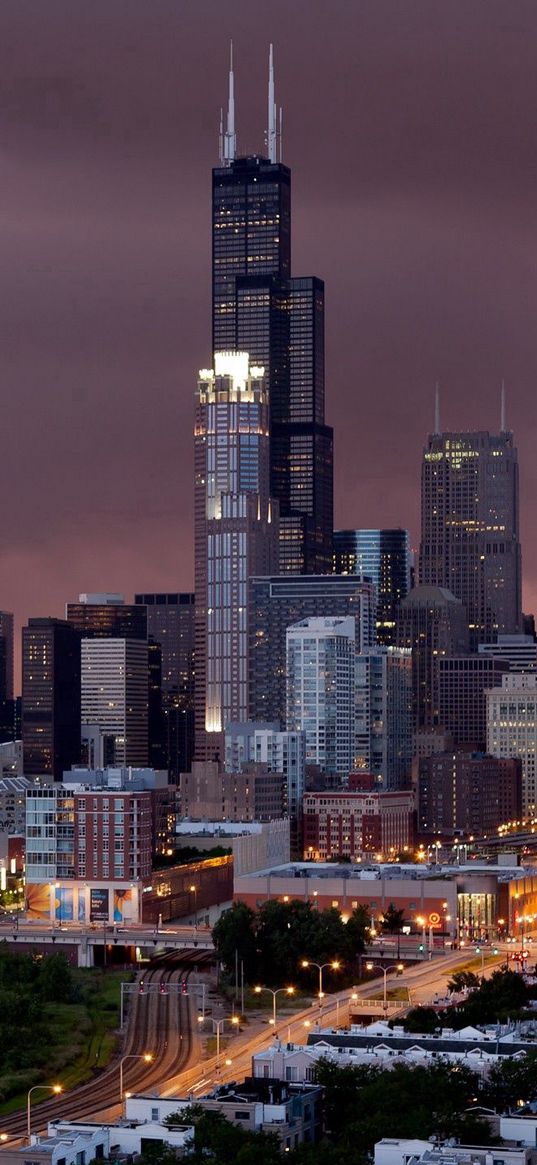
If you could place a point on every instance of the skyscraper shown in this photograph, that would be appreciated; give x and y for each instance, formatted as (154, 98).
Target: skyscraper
(384, 714)
(258, 308)
(50, 697)
(116, 679)
(432, 622)
(321, 691)
(114, 694)
(170, 622)
(384, 557)
(236, 535)
(512, 729)
(7, 704)
(277, 602)
(470, 527)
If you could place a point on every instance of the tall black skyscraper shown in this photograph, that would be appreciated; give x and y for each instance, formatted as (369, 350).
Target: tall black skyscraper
(170, 623)
(470, 527)
(258, 308)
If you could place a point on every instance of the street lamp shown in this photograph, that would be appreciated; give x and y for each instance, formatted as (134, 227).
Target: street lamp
(194, 891)
(147, 1056)
(217, 1027)
(393, 967)
(57, 1088)
(334, 964)
(279, 991)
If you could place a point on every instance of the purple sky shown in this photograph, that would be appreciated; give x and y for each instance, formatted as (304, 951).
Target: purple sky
(411, 130)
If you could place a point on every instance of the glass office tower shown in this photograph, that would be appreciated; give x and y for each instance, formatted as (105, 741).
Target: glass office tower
(258, 308)
(384, 557)
(470, 528)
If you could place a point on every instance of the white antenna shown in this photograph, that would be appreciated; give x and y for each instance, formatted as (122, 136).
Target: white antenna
(271, 131)
(221, 138)
(503, 425)
(230, 139)
(437, 429)
(281, 134)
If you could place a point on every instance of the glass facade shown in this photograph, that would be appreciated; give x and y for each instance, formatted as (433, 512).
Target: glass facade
(276, 603)
(321, 691)
(258, 308)
(236, 533)
(470, 528)
(50, 697)
(384, 557)
(170, 623)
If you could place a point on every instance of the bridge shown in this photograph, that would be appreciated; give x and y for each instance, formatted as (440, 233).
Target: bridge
(80, 943)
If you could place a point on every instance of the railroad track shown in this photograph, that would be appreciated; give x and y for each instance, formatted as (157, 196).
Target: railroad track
(157, 1023)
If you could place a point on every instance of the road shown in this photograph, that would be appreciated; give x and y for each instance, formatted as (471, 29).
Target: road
(424, 980)
(167, 1027)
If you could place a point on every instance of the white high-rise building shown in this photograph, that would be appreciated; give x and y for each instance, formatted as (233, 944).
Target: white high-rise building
(512, 729)
(321, 690)
(114, 694)
(236, 534)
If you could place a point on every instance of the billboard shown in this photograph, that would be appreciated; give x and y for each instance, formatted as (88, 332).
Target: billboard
(99, 904)
(38, 900)
(122, 905)
(63, 904)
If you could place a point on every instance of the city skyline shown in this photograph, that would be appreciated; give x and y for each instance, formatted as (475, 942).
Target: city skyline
(415, 219)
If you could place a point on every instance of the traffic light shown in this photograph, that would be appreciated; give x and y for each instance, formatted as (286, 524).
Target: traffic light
(478, 950)
(421, 947)
(495, 951)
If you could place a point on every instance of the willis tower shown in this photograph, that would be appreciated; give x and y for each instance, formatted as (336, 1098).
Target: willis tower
(259, 308)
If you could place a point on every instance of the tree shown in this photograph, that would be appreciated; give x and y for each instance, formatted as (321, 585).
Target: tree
(356, 935)
(422, 1020)
(55, 979)
(219, 1142)
(463, 980)
(392, 923)
(511, 1081)
(234, 935)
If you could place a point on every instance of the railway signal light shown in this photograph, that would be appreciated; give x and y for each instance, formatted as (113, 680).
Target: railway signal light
(184, 987)
(163, 990)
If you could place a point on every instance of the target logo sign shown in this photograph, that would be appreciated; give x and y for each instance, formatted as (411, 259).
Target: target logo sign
(434, 918)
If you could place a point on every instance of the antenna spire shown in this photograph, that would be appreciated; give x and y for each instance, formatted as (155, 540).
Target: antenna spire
(230, 137)
(437, 428)
(503, 424)
(271, 130)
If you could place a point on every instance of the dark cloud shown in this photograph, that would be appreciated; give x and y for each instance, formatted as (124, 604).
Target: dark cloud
(411, 131)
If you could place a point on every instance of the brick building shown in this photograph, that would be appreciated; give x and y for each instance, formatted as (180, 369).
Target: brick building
(357, 821)
(468, 792)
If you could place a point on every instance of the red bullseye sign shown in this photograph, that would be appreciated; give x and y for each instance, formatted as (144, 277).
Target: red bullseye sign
(434, 918)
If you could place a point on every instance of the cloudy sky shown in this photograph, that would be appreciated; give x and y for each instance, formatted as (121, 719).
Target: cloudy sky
(411, 130)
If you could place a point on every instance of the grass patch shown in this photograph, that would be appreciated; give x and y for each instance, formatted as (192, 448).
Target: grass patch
(83, 1037)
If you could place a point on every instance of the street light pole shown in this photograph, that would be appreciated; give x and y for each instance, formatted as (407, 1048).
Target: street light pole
(147, 1056)
(194, 891)
(393, 967)
(334, 964)
(279, 991)
(57, 1088)
(218, 1025)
